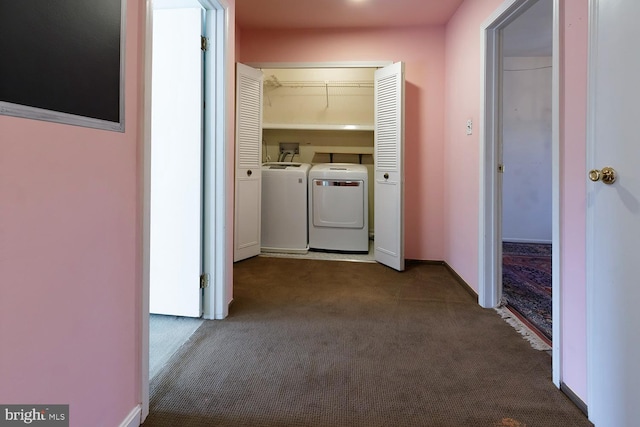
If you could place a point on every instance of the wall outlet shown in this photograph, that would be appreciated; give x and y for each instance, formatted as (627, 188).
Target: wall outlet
(469, 127)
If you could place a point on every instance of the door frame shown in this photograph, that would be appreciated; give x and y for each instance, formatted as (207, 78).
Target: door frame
(215, 233)
(490, 215)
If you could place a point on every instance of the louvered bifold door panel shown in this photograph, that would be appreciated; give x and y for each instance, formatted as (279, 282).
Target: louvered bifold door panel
(248, 187)
(387, 129)
(249, 122)
(389, 166)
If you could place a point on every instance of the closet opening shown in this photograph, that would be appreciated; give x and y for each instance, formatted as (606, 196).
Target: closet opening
(316, 116)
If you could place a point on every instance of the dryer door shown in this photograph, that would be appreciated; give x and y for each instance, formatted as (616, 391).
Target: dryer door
(338, 203)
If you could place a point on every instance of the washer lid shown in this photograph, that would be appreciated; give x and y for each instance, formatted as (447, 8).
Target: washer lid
(286, 166)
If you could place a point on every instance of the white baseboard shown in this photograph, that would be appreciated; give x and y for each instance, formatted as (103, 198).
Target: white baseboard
(133, 419)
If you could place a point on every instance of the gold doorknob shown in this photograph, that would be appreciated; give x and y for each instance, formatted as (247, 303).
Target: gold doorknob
(607, 175)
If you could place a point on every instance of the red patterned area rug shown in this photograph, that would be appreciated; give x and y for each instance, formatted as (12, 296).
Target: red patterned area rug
(526, 282)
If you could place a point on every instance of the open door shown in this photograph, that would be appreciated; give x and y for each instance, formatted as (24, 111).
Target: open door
(176, 164)
(389, 166)
(248, 200)
(613, 215)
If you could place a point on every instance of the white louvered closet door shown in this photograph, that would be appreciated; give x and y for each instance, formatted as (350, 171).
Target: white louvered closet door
(389, 166)
(248, 167)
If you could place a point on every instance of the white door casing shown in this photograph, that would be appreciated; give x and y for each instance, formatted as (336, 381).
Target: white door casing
(248, 179)
(389, 166)
(176, 163)
(216, 296)
(613, 216)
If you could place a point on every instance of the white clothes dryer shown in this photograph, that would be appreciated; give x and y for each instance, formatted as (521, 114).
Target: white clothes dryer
(339, 207)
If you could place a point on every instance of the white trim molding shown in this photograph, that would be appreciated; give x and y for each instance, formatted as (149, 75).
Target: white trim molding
(556, 209)
(145, 186)
(133, 419)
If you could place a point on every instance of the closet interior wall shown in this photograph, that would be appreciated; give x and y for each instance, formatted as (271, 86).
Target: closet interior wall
(329, 112)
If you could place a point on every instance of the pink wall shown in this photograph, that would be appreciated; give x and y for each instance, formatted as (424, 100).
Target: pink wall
(573, 170)
(422, 50)
(69, 261)
(461, 170)
(461, 151)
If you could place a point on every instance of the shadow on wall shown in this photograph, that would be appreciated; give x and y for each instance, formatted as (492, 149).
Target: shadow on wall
(413, 190)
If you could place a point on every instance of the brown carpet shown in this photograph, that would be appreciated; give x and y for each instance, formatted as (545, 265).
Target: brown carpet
(326, 343)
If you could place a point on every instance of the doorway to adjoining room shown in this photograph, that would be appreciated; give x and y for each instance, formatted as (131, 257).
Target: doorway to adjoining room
(526, 126)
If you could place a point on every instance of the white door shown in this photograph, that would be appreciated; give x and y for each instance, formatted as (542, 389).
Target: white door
(176, 163)
(613, 216)
(389, 166)
(248, 167)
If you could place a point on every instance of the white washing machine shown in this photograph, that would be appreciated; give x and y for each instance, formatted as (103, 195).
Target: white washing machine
(339, 207)
(284, 207)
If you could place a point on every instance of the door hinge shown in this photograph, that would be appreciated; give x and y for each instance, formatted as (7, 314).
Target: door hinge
(204, 280)
(204, 43)
(500, 168)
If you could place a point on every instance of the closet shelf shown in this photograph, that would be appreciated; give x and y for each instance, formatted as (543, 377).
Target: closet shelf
(362, 152)
(313, 126)
(272, 84)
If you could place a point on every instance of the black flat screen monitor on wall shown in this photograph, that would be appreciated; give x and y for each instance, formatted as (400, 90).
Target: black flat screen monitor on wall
(63, 61)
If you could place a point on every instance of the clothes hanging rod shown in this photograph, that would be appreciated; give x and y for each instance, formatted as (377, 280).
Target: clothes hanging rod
(274, 84)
